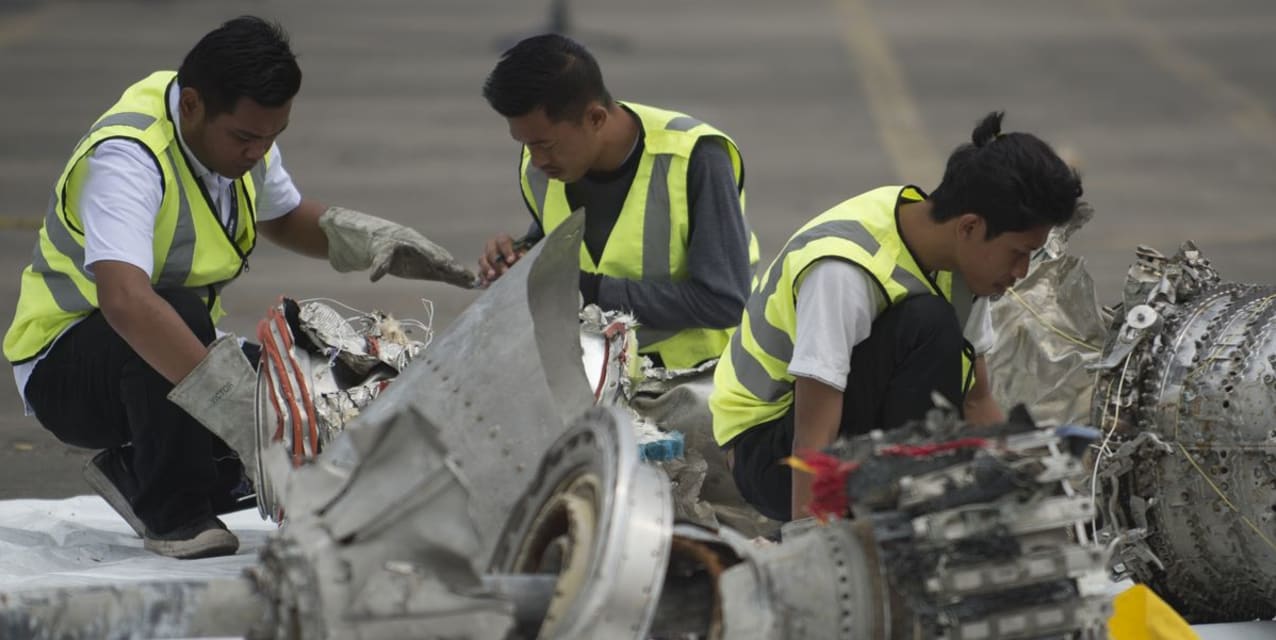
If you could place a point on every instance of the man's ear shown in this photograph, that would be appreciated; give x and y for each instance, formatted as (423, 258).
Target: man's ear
(595, 116)
(970, 225)
(191, 105)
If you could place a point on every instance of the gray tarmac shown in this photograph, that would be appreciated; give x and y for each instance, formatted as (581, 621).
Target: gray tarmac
(1166, 106)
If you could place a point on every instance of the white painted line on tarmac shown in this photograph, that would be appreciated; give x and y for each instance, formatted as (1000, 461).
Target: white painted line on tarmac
(891, 103)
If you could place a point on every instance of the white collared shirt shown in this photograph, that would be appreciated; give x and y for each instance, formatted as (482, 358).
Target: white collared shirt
(836, 307)
(121, 198)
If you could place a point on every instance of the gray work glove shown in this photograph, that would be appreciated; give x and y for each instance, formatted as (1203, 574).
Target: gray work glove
(221, 393)
(357, 241)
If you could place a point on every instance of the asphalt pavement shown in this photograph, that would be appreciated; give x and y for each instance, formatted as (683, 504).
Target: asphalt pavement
(1166, 106)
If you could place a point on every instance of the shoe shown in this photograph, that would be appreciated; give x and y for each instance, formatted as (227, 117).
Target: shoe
(109, 476)
(204, 538)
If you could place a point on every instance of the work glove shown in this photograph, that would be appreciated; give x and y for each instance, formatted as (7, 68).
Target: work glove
(357, 241)
(221, 393)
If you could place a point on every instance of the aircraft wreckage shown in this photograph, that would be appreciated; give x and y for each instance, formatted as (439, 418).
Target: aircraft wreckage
(494, 488)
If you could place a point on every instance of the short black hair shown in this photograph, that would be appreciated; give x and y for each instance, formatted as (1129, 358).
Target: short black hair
(548, 71)
(246, 57)
(1014, 181)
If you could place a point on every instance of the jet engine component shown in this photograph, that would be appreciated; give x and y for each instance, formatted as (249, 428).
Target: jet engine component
(1187, 471)
(959, 533)
(600, 520)
(318, 371)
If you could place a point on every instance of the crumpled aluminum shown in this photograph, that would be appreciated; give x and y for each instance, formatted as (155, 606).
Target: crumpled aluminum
(362, 342)
(1050, 331)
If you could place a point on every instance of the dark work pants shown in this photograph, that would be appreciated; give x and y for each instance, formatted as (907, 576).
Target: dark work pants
(914, 348)
(92, 390)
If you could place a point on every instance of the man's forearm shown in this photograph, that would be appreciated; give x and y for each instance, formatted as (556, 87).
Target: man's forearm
(983, 411)
(299, 230)
(816, 421)
(979, 406)
(156, 332)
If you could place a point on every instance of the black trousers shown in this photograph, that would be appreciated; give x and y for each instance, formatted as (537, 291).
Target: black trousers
(92, 390)
(914, 348)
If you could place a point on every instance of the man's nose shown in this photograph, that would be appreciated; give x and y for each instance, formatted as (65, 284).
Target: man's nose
(256, 151)
(1021, 268)
(540, 159)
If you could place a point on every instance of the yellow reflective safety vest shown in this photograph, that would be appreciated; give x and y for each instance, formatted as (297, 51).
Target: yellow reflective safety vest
(192, 249)
(752, 384)
(649, 241)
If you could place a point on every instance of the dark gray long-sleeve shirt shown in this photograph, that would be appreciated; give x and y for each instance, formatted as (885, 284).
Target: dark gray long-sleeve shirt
(719, 273)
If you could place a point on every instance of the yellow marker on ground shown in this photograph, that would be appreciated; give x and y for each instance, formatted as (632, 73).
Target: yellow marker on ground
(1139, 614)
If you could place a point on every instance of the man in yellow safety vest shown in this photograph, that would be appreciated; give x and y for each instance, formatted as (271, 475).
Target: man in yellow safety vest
(868, 310)
(663, 193)
(157, 210)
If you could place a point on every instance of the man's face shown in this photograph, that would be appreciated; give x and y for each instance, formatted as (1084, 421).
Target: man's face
(564, 150)
(233, 142)
(991, 266)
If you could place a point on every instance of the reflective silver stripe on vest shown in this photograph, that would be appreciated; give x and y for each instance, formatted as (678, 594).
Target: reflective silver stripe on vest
(61, 286)
(139, 121)
(539, 183)
(914, 285)
(656, 223)
(181, 251)
(683, 123)
(65, 294)
(61, 238)
(773, 340)
(751, 374)
(63, 289)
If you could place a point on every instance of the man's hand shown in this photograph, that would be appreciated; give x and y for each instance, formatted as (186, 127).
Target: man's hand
(499, 254)
(359, 241)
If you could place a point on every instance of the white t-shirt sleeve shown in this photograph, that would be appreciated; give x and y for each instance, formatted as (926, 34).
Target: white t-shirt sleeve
(118, 204)
(979, 332)
(278, 195)
(837, 303)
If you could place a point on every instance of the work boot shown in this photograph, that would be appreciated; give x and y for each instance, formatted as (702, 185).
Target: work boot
(205, 538)
(110, 475)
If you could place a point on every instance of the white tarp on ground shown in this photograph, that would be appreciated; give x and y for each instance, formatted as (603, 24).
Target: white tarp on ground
(81, 541)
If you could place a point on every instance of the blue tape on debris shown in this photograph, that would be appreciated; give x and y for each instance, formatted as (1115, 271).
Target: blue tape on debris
(668, 447)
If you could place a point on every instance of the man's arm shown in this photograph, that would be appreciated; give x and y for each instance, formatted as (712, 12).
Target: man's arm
(719, 275)
(118, 205)
(298, 230)
(146, 321)
(979, 407)
(816, 420)
(836, 306)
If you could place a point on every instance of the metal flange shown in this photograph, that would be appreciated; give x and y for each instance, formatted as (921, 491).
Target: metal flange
(602, 521)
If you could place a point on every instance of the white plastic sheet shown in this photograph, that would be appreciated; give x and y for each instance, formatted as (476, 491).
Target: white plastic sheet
(81, 541)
